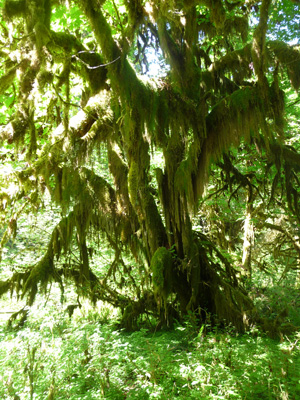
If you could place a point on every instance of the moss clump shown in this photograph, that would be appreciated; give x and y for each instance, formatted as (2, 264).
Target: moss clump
(161, 266)
(133, 179)
(44, 77)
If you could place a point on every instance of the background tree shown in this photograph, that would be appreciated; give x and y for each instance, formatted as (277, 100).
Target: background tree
(125, 157)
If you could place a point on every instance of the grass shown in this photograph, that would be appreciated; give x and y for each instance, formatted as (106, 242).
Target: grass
(88, 357)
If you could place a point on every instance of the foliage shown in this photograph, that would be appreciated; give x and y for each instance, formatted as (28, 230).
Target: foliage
(84, 358)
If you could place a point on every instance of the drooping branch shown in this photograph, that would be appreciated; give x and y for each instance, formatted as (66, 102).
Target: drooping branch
(289, 57)
(283, 230)
(237, 62)
(238, 115)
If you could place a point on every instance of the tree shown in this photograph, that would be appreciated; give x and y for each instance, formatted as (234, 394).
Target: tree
(77, 94)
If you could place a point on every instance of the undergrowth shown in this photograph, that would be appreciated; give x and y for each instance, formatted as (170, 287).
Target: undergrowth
(88, 357)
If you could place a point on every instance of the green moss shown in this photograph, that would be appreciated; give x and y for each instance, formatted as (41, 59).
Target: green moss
(290, 57)
(7, 79)
(14, 8)
(44, 77)
(4, 287)
(42, 35)
(217, 13)
(48, 13)
(41, 274)
(183, 183)
(242, 99)
(161, 266)
(65, 41)
(129, 318)
(133, 180)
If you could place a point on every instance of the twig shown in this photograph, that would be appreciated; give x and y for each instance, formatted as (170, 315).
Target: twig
(96, 66)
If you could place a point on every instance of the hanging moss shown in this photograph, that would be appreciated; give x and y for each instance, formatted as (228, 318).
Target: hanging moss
(4, 287)
(162, 118)
(31, 152)
(277, 104)
(241, 114)
(217, 13)
(83, 60)
(41, 274)
(237, 62)
(237, 24)
(156, 235)
(288, 56)
(183, 180)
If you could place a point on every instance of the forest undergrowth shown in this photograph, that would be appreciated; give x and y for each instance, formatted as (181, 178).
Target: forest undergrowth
(87, 356)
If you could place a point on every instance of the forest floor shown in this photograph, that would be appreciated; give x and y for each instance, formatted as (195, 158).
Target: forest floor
(53, 356)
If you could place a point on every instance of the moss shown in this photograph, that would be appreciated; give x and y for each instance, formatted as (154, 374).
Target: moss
(235, 61)
(65, 41)
(237, 24)
(41, 274)
(20, 127)
(154, 225)
(183, 180)
(18, 318)
(241, 100)
(7, 79)
(4, 287)
(42, 35)
(48, 13)
(288, 56)
(161, 266)
(239, 115)
(14, 8)
(231, 304)
(44, 77)
(217, 13)
(133, 182)
(27, 81)
(129, 318)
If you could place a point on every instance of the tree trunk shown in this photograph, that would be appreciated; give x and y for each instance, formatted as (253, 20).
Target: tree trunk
(248, 240)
